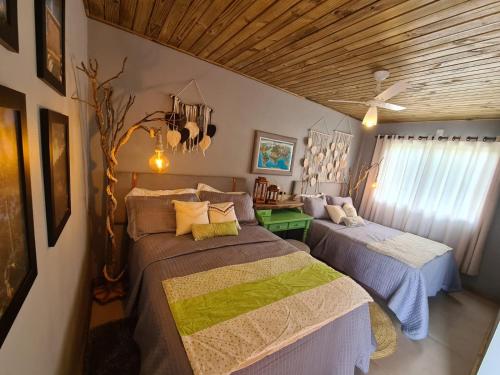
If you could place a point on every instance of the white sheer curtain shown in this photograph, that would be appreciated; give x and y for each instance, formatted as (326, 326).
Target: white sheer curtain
(442, 190)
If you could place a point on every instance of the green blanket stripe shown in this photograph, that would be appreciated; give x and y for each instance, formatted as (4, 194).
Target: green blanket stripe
(195, 314)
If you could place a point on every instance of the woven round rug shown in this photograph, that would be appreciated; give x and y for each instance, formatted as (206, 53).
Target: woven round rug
(384, 332)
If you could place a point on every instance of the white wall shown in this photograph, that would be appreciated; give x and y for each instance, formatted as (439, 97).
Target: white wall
(488, 281)
(48, 334)
(242, 105)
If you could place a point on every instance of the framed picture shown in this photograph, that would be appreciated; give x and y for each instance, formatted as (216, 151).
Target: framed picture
(17, 242)
(9, 37)
(273, 154)
(50, 57)
(56, 175)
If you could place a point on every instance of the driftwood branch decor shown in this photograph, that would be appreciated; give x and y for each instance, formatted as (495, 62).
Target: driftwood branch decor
(110, 119)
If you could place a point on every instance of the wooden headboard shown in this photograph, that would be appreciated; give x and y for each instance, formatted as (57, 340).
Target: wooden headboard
(155, 181)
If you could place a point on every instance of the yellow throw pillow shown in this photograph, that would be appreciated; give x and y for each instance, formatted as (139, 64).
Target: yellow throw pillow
(189, 213)
(349, 210)
(204, 231)
(222, 213)
(336, 213)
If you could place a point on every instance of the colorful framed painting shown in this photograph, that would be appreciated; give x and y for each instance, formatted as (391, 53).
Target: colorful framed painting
(56, 173)
(9, 36)
(50, 48)
(18, 268)
(273, 154)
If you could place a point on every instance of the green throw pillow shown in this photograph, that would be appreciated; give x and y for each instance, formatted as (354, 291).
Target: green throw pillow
(204, 231)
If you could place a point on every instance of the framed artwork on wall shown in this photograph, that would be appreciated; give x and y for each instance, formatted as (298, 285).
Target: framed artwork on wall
(50, 46)
(56, 173)
(18, 267)
(9, 36)
(273, 154)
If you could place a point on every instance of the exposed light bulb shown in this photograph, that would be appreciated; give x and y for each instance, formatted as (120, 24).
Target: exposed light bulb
(371, 117)
(374, 185)
(159, 162)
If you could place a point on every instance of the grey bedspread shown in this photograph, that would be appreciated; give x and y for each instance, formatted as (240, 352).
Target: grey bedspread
(405, 289)
(335, 349)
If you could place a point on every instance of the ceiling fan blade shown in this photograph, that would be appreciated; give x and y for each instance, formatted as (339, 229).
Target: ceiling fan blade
(346, 101)
(394, 90)
(371, 117)
(381, 104)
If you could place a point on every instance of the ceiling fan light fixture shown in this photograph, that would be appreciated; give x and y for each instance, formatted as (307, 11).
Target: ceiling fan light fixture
(371, 117)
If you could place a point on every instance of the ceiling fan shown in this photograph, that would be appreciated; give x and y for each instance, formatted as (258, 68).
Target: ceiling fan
(371, 116)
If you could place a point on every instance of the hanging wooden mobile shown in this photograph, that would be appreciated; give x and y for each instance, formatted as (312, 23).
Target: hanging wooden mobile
(190, 125)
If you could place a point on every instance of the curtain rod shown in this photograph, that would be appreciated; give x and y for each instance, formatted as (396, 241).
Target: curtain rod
(426, 137)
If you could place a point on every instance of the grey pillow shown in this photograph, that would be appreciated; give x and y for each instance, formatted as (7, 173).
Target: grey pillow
(148, 215)
(338, 201)
(243, 204)
(316, 207)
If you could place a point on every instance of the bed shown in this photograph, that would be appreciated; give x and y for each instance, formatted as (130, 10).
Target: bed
(336, 347)
(405, 289)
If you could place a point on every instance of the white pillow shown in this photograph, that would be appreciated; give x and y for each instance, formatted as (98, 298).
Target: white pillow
(356, 221)
(222, 213)
(139, 192)
(349, 210)
(189, 213)
(205, 187)
(336, 213)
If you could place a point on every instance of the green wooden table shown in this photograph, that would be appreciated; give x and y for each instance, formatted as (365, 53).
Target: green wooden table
(282, 220)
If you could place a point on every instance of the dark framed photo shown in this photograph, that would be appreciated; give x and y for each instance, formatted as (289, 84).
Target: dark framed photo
(273, 154)
(56, 173)
(9, 36)
(18, 268)
(50, 46)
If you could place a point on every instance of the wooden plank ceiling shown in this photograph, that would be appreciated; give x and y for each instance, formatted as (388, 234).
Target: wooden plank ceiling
(448, 50)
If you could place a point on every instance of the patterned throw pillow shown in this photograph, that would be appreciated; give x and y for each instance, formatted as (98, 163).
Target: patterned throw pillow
(222, 213)
(356, 221)
(204, 231)
(243, 204)
(349, 209)
(189, 213)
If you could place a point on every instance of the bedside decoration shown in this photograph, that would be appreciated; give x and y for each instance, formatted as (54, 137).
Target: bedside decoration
(9, 37)
(325, 159)
(190, 124)
(272, 194)
(260, 190)
(273, 154)
(56, 174)
(18, 268)
(50, 37)
(110, 119)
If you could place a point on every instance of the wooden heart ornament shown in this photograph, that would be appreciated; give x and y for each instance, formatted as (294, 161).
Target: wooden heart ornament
(173, 138)
(205, 143)
(193, 128)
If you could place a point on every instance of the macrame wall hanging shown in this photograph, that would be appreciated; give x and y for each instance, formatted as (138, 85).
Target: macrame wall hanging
(189, 125)
(325, 158)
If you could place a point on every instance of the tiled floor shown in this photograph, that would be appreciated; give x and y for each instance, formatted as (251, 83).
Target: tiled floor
(459, 325)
